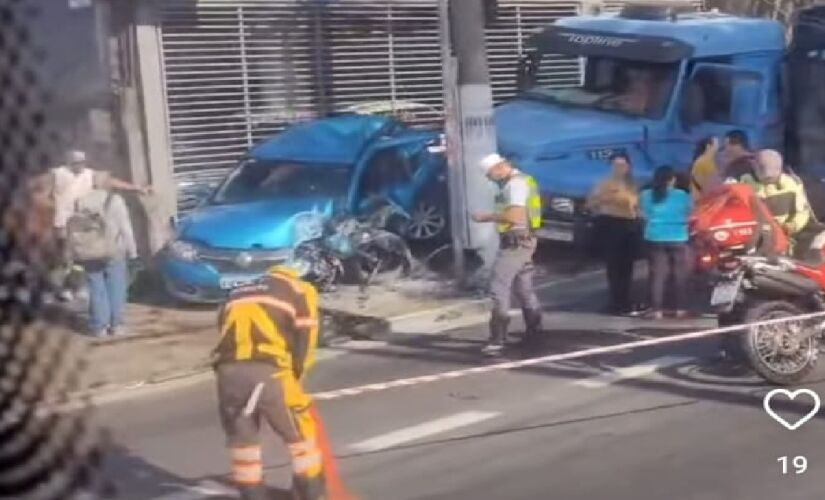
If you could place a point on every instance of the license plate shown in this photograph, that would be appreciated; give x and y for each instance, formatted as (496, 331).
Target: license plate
(724, 293)
(555, 234)
(230, 282)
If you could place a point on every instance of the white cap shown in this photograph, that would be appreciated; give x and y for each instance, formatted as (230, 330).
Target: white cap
(76, 157)
(770, 164)
(491, 160)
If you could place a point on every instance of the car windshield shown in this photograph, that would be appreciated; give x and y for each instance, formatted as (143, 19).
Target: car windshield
(256, 180)
(634, 88)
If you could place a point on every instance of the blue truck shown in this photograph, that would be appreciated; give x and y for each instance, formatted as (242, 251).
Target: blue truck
(655, 80)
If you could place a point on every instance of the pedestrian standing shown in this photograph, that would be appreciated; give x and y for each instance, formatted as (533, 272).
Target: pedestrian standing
(72, 181)
(615, 202)
(517, 216)
(704, 173)
(108, 247)
(666, 211)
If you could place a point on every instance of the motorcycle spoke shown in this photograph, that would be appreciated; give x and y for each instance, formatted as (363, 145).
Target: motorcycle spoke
(768, 343)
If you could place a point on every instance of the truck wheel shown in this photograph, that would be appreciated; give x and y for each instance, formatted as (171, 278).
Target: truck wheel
(779, 353)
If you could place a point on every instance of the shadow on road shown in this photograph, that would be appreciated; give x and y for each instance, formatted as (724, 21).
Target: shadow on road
(136, 479)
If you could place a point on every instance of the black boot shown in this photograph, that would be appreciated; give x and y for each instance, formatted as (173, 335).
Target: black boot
(532, 324)
(498, 334)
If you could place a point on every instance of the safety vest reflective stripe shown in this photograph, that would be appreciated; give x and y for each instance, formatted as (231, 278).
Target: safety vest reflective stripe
(290, 280)
(306, 457)
(306, 322)
(533, 205)
(248, 474)
(246, 454)
(307, 464)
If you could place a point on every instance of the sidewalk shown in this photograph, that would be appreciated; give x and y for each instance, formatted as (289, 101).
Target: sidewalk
(167, 343)
(163, 343)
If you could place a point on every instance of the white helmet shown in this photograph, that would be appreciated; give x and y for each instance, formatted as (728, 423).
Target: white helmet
(490, 161)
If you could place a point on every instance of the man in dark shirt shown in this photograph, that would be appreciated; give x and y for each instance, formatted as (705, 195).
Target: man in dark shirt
(738, 160)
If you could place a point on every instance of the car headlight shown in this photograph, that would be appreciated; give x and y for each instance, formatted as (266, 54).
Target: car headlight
(184, 250)
(308, 226)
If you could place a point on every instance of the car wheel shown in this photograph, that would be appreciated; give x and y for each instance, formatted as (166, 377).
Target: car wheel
(428, 221)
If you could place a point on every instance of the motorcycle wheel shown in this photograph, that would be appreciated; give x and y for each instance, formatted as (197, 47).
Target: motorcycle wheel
(776, 352)
(392, 258)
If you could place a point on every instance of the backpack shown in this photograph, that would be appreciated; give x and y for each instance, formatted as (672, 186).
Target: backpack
(89, 236)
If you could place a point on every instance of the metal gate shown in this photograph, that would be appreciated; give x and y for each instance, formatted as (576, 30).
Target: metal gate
(238, 71)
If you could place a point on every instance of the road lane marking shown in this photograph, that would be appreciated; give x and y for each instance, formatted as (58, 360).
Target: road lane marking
(630, 372)
(422, 430)
(551, 358)
(202, 490)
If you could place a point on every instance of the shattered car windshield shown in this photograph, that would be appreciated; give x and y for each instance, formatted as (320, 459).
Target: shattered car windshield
(255, 180)
(635, 88)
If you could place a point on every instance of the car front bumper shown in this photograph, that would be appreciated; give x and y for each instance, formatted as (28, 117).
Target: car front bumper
(200, 282)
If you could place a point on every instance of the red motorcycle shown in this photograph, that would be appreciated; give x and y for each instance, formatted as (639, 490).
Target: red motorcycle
(746, 255)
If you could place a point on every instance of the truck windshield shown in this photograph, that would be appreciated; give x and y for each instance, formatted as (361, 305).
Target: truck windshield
(256, 180)
(635, 88)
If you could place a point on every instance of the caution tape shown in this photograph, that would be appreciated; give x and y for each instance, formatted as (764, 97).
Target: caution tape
(510, 365)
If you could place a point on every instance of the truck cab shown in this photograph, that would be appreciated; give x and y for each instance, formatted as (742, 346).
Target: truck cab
(654, 82)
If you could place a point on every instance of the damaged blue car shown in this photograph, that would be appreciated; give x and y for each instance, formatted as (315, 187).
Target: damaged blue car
(281, 193)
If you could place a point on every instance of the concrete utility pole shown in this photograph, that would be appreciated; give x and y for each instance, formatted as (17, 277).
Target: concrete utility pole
(469, 128)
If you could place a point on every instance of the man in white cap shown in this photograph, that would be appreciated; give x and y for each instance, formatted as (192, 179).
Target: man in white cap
(74, 181)
(517, 216)
(783, 193)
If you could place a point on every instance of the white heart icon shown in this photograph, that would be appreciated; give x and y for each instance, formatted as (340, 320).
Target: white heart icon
(792, 396)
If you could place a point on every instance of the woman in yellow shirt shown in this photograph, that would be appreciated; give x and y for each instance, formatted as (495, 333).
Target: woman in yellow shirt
(615, 203)
(704, 173)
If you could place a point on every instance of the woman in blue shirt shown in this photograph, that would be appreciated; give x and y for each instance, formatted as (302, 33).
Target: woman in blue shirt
(666, 211)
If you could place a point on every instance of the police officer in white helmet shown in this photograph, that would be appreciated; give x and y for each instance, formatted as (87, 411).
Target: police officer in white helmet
(517, 217)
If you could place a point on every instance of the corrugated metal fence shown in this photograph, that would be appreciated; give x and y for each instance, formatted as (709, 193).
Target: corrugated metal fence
(238, 70)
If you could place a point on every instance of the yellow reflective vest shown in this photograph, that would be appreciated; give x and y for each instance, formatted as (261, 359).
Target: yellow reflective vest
(786, 199)
(533, 203)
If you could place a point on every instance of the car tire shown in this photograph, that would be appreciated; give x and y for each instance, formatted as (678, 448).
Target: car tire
(429, 221)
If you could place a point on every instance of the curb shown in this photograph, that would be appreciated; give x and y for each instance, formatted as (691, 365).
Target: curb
(436, 320)
(122, 392)
(129, 339)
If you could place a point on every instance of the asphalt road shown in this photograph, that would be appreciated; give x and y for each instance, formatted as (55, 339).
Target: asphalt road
(650, 424)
